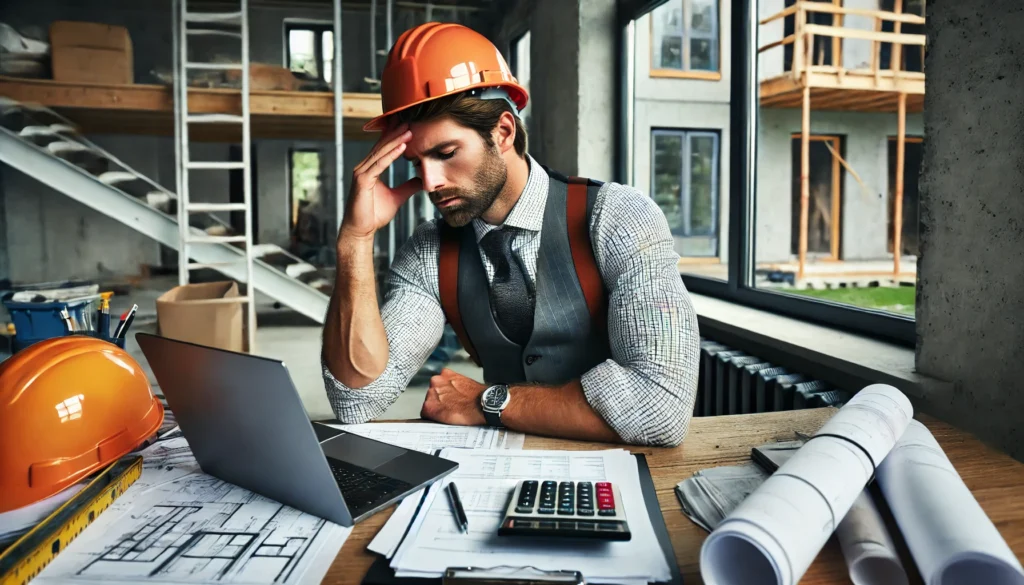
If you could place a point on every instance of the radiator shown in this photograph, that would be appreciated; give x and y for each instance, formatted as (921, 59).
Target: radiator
(734, 382)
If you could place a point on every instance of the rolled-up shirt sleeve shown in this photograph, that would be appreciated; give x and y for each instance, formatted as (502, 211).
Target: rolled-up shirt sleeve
(646, 391)
(413, 322)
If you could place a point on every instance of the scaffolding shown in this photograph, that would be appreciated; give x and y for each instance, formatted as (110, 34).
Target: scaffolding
(811, 83)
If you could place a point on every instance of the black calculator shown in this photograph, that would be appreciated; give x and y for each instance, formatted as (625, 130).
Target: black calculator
(566, 509)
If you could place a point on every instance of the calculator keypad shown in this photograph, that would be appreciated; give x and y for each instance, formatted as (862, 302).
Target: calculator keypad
(565, 508)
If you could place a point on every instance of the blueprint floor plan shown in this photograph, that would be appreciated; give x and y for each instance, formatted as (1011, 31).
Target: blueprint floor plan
(179, 525)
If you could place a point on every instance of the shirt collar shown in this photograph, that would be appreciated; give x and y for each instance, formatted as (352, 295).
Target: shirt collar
(528, 212)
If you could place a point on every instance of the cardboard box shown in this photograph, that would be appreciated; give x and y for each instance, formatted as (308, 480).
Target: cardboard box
(198, 313)
(91, 52)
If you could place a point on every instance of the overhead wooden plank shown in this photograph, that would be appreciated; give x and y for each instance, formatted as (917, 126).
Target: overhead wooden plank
(157, 98)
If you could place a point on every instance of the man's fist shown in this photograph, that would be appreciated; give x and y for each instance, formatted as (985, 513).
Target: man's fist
(454, 399)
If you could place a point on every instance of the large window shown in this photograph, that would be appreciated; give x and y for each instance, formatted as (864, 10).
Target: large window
(685, 39)
(310, 50)
(685, 184)
(794, 188)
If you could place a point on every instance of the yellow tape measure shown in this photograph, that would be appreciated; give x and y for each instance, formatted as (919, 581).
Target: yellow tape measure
(20, 563)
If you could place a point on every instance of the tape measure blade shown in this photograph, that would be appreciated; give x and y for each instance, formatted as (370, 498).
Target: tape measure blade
(32, 552)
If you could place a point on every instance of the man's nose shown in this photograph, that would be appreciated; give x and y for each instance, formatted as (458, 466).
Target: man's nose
(432, 178)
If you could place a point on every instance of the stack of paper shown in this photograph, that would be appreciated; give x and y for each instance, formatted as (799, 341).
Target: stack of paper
(428, 438)
(711, 494)
(486, 480)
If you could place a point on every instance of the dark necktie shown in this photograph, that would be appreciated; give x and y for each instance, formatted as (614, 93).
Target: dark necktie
(512, 298)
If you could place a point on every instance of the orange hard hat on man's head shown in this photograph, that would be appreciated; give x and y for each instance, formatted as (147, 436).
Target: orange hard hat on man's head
(437, 59)
(69, 406)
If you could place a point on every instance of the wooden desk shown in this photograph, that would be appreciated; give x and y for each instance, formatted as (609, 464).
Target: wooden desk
(994, 478)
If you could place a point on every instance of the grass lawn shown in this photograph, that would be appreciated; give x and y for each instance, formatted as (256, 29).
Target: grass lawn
(895, 299)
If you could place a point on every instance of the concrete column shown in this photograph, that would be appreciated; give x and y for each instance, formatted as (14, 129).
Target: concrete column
(970, 304)
(572, 62)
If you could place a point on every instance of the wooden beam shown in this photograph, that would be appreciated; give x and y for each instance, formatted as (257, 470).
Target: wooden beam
(158, 98)
(868, 35)
(881, 14)
(791, 10)
(896, 55)
(904, 83)
(897, 223)
(788, 40)
(805, 184)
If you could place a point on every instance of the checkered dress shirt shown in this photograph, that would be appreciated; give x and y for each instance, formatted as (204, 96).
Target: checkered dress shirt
(645, 392)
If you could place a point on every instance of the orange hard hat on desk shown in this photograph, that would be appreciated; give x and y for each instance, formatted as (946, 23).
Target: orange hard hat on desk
(436, 59)
(69, 406)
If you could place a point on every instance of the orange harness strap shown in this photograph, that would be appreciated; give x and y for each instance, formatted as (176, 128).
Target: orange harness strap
(583, 252)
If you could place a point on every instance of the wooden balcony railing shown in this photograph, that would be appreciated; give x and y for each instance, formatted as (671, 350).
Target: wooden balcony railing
(810, 66)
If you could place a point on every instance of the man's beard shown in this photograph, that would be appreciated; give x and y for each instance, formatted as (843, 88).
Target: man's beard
(490, 180)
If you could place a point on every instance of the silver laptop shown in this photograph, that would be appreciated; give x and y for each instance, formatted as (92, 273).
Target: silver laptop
(246, 424)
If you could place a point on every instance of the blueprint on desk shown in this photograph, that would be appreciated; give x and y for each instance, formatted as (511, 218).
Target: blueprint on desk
(179, 525)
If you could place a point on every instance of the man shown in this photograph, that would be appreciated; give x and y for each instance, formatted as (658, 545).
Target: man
(567, 292)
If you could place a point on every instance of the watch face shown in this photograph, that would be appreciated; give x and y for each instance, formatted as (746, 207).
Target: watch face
(495, 397)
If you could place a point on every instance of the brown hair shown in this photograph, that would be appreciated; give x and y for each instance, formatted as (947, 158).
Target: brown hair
(470, 111)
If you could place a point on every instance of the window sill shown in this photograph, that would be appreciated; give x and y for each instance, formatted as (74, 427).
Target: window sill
(845, 360)
(675, 74)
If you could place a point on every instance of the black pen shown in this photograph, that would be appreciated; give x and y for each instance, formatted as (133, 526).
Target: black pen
(125, 323)
(460, 513)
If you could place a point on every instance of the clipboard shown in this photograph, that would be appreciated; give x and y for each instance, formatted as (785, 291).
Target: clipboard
(381, 573)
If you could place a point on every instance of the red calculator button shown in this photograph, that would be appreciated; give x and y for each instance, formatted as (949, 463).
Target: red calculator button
(605, 503)
(603, 486)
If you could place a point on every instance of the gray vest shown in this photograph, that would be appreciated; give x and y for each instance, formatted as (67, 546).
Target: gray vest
(565, 342)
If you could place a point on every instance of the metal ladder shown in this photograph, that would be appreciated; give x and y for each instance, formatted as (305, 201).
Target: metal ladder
(235, 25)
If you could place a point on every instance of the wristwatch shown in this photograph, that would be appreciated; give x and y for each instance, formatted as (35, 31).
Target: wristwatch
(493, 401)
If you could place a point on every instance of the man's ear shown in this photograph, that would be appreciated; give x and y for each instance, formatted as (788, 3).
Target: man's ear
(504, 133)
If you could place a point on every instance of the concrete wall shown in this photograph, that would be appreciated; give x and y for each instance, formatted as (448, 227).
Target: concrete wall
(970, 305)
(572, 86)
(864, 215)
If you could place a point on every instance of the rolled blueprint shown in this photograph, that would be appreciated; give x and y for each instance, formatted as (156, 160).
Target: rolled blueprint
(870, 554)
(951, 539)
(774, 535)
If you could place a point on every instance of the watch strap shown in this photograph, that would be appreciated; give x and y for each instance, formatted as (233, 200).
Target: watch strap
(493, 418)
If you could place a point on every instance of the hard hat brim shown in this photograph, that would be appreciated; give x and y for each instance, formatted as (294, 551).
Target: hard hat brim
(516, 91)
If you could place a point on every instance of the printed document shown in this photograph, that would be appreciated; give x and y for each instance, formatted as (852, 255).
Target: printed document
(176, 524)
(781, 526)
(486, 481)
(428, 438)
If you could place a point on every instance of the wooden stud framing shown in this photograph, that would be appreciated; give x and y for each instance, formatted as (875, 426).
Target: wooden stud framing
(896, 55)
(897, 222)
(805, 185)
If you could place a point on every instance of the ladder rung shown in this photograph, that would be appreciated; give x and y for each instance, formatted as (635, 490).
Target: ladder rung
(200, 266)
(211, 207)
(214, 118)
(213, 16)
(215, 66)
(215, 165)
(213, 32)
(215, 239)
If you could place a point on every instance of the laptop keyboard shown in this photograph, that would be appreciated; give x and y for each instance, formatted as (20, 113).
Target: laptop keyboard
(362, 488)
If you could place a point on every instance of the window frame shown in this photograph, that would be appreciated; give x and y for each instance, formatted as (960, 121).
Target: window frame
(687, 135)
(741, 228)
(318, 29)
(687, 73)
